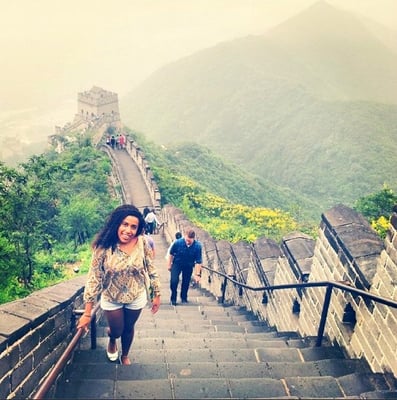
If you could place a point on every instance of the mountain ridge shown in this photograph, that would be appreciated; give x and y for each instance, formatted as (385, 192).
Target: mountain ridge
(280, 110)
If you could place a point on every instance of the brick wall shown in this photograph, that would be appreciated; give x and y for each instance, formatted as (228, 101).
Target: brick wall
(34, 332)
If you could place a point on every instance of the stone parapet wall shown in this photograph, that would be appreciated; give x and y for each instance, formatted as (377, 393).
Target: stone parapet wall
(347, 250)
(383, 319)
(34, 332)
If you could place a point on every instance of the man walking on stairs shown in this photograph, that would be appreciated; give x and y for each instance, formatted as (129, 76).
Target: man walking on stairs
(185, 255)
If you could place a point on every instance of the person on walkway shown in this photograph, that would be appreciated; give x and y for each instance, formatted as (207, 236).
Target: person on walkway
(146, 211)
(122, 141)
(117, 274)
(113, 141)
(151, 222)
(185, 255)
(178, 235)
(150, 242)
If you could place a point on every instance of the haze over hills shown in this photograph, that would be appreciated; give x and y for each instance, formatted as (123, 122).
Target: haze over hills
(311, 105)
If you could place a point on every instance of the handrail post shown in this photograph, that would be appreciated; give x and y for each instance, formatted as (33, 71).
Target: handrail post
(224, 289)
(324, 314)
(93, 332)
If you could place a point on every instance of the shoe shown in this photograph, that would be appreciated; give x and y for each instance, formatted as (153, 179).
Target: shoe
(173, 303)
(184, 302)
(113, 356)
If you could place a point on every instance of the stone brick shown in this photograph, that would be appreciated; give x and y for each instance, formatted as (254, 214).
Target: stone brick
(7, 360)
(40, 352)
(13, 326)
(28, 342)
(379, 314)
(27, 310)
(11, 357)
(47, 328)
(389, 362)
(51, 307)
(5, 386)
(375, 366)
(386, 349)
(21, 371)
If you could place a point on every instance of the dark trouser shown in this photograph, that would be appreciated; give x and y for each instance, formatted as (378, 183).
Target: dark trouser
(150, 227)
(176, 270)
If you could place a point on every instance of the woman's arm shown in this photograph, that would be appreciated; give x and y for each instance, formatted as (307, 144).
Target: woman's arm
(93, 286)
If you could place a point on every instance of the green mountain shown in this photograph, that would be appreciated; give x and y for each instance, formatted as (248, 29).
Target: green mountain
(310, 106)
(226, 180)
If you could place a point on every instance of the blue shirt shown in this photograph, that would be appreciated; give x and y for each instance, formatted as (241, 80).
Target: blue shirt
(186, 256)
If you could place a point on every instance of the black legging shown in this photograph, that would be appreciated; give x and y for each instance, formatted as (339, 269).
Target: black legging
(121, 324)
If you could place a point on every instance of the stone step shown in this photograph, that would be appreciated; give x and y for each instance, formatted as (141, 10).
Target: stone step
(238, 355)
(204, 349)
(208, 380)
(209, 330)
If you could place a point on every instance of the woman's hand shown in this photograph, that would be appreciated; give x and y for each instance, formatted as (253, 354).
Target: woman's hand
(155, 304)
(84, 321)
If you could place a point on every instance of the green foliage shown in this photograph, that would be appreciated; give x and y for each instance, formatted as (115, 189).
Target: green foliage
(189, 175)
(235, 222)
(47, 204)
(221, 178)
(377, 208)
(377, 204)
(13, 290)
(8, 262)
(80, 218)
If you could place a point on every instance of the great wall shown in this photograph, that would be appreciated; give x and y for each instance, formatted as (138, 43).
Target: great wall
(347, 250)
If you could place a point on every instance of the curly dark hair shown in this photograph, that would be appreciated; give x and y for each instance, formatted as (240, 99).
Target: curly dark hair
(107, 236)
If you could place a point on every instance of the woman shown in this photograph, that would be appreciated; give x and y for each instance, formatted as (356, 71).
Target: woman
(120, 255)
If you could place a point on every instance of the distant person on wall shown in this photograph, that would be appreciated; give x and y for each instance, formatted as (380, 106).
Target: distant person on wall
(120, 254)
(178, 235)
(113, 141)
(146, 211)
(119, 142)
(151, 222)
(122, 141)
(150, 242)
(185, 256)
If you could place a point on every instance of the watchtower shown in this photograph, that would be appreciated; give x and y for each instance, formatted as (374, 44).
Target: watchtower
(98, 103)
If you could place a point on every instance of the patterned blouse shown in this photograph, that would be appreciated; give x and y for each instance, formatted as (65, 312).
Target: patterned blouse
(118, 276)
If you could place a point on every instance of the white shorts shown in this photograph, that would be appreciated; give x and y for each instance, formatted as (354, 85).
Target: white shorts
(137, 304)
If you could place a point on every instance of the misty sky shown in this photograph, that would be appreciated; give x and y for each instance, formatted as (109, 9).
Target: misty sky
(52, 49)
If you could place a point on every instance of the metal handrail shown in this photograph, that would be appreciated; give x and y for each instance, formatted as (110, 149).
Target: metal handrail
(46, 385)
(329, 285)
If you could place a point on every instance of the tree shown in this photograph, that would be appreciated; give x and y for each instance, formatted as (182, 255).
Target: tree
(28, 207)
(377, 208)
(377, 204)
(80, 218)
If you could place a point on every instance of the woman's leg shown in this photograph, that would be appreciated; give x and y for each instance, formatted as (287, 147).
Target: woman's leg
(115, 320)
(127, 336)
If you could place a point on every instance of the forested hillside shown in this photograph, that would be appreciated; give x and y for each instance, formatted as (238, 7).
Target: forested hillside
(225, 179)
(50, 208)
(307, 106)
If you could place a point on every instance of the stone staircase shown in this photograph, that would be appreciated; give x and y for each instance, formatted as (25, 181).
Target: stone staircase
(205, 350)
